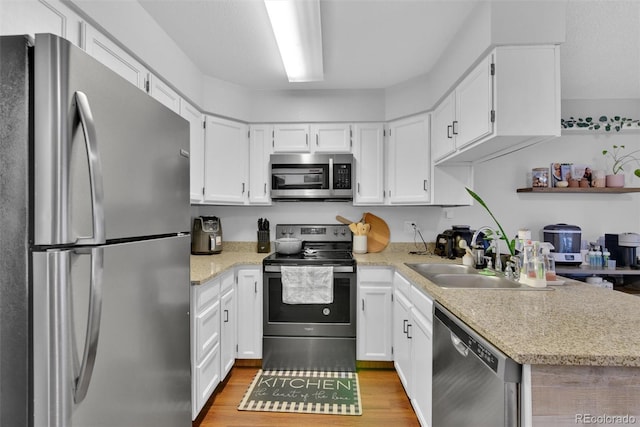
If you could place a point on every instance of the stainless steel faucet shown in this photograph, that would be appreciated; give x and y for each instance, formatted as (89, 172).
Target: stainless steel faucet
(494, 242)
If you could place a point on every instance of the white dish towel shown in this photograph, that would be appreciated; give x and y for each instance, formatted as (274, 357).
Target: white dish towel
(307, 285)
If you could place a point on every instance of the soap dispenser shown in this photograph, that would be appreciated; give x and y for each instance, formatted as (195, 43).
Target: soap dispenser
(533, 270)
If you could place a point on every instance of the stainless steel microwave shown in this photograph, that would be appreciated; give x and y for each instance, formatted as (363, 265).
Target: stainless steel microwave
(312, 176)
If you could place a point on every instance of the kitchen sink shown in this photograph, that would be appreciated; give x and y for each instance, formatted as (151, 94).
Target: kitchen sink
(428, 270)
(455, 276)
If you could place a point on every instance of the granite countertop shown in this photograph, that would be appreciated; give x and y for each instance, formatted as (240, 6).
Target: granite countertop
(573, 324)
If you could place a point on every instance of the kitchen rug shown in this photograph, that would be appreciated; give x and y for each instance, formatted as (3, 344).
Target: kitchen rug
(336, 393)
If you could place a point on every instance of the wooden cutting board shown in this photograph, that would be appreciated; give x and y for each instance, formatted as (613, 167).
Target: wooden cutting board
(378, 237)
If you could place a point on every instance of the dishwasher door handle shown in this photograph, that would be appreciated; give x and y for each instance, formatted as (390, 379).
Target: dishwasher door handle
(459, 346)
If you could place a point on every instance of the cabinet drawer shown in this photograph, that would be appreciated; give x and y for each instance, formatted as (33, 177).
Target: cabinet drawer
(206, 294)
(401, 284)
(207, 377)
(226, 282)
(207, 330)
(422, 303)
(375, 274)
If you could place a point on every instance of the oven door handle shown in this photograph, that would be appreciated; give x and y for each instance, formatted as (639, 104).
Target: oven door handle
(336, 268)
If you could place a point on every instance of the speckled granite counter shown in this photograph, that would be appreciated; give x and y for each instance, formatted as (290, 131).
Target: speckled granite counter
(573, 324)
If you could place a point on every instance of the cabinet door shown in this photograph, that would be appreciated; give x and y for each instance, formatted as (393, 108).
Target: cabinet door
(227, 331)
(421, 356)
(474, 103)
(226, 156)
(442, 137)
(368, 152)
(249, 313)
(32, 17)
(374, 332)
(163, 93)
(409, 162)
(401, 341)
(291, 138)
(260, 141)
(196, 150)
(331, 138)
(110, 54)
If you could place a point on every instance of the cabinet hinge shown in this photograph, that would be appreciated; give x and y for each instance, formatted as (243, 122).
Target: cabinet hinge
(202, 191)
(204, 124)
(493, 116)
(493, 69)
(147, 86)
(249, 134)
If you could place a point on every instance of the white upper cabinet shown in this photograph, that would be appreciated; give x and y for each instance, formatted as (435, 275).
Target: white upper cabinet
(409, 165)
(260, 148)
(368, 152)
(196, 150)
(331, 138)
(163, 93)
(43, 16)
(510, 100)
(110, 54)
(466, 114)
(474, 105)
(226, 161)
(442, 137)
(291, 138)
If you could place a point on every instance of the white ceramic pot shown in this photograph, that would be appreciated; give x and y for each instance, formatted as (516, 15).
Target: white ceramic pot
(615, 181)
(288, 245)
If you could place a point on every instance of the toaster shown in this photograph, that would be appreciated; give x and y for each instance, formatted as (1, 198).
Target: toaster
(448, 242)
(206, 235)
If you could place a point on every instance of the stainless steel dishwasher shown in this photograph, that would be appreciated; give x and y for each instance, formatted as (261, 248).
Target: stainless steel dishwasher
(474, 383)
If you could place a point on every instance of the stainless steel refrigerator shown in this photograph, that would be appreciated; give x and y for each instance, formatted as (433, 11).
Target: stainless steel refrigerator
(94, 235)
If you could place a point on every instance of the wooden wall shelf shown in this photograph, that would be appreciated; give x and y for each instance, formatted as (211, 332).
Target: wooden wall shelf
(578, 190)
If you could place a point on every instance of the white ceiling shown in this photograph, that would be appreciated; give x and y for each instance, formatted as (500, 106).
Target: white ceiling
(367, 44)
(379, 43)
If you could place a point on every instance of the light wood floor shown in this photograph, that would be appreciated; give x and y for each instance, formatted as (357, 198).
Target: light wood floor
(384, 404)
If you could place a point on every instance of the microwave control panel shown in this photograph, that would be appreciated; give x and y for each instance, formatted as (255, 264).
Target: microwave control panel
(342, 177)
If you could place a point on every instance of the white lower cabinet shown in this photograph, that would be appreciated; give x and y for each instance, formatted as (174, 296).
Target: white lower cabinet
(374, 313)
(205, 342)
(249, 289)
(227, 324)
(412, 344)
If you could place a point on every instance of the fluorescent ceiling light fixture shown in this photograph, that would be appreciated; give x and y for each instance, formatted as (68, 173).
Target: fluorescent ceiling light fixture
(296, 26)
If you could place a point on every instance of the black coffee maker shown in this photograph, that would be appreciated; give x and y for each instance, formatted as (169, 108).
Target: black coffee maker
(623, 248)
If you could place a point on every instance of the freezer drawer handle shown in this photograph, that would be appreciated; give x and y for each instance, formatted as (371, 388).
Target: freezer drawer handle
(85, 369)
(95, 171)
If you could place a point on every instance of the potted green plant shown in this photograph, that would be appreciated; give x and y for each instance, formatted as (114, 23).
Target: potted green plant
(511, 244)
(620, 159)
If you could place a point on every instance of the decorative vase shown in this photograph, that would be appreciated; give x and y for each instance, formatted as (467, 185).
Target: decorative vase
(615, 181)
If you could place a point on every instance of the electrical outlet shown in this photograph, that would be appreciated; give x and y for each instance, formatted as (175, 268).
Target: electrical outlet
(408, 226)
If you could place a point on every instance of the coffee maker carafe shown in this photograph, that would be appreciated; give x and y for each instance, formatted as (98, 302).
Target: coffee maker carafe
(206, 235)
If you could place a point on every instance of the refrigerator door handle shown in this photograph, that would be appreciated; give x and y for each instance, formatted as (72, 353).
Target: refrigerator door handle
(95, 171)
(83, 372)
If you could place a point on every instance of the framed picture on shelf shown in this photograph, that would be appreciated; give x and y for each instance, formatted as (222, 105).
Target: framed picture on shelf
(583, 173)
(560, 172)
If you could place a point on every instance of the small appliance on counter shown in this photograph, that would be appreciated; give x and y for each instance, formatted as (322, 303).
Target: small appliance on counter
(566, 241)
(623, 248)
(448, 242)
(206, 235)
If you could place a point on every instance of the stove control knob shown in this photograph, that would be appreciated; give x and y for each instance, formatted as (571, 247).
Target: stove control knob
(343, 232)
(335, 231)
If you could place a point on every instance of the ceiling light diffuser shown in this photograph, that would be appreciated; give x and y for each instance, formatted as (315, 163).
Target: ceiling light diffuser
(296, 26)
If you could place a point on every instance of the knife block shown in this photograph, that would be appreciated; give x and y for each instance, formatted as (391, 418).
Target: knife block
(264, 242)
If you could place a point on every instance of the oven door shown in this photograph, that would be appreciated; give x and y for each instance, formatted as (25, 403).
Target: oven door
(337, 319)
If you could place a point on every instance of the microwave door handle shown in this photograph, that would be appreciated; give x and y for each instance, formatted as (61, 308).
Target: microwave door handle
(331, 175)
(95, 171)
